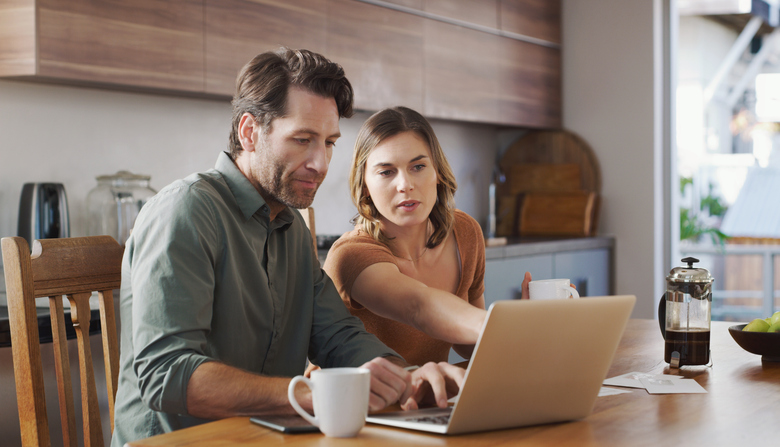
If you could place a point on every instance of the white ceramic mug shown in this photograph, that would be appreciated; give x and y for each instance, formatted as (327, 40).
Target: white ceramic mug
(339, 397)
(551, 289)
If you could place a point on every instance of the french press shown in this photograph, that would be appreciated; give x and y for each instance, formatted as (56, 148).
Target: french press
(684, 315)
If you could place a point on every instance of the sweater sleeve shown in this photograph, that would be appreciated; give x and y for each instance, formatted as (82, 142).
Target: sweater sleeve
(472, 251)
(350, 255)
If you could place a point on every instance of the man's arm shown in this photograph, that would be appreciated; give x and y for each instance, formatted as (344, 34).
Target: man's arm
(217, 391)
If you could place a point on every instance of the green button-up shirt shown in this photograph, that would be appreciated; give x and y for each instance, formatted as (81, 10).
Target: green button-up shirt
(207, 277)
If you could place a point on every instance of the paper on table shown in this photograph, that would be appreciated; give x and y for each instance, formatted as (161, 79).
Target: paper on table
(666, 386)
(632, 379)
(604, 391)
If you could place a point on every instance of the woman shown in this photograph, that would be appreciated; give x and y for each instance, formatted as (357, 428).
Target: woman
(413, 268)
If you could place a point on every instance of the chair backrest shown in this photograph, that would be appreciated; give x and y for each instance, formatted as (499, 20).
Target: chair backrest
(75, 268)
(308, 218)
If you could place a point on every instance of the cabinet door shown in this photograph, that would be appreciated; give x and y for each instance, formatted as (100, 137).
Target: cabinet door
(540, 19)
(381, 51)
(503, 277)
(478, 12)
(17, 37)
(529, 78)
(145, 43)
(461, 75)
(589, 270)
(238, 30)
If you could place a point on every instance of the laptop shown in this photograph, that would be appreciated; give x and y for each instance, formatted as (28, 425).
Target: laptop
(535, 362)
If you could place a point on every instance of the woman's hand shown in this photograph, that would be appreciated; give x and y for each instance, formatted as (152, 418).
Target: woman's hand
(434, 384)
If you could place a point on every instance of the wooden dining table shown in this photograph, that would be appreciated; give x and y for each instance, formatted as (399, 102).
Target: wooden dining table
(741, 407)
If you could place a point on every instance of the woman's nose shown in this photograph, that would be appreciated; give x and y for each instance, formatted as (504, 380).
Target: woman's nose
(405, 183)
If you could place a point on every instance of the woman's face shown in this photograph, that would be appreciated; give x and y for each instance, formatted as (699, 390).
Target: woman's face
(401, 180)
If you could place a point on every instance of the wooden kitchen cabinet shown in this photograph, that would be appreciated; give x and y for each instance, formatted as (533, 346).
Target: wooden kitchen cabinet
(451, 64)
(540, 19)
(529, 82)
(381, 51)
(478, 12)
(145, 43)
(238, 30)
(461, 73)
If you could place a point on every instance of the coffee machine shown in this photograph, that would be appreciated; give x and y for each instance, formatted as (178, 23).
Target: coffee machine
(684, 315)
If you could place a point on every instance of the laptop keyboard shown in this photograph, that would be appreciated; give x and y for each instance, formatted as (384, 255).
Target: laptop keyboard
(438, 420)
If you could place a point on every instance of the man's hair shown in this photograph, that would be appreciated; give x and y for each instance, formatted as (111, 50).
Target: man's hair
(263, 83)
(378, 128)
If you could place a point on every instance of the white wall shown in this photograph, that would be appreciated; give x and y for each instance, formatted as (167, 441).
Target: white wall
(71, 134)
(609, 98)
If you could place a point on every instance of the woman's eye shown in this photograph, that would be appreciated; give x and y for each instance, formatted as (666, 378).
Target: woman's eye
(330, 143)
(302, 140)
(418, 167)
(385, 173)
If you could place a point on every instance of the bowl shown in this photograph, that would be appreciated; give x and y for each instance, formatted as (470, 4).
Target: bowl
(765, 344)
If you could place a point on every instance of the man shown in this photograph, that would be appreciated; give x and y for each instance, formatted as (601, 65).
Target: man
(222, 297)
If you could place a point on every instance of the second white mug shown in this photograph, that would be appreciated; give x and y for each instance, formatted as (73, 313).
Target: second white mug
(551, 289)
(339, 397)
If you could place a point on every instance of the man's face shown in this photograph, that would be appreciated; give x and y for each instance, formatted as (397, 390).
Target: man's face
(290, 162)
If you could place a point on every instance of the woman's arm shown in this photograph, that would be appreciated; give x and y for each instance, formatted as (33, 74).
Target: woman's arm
(465, 350)
(385, 291)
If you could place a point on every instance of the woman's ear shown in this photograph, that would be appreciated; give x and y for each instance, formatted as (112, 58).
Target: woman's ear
(248, 129)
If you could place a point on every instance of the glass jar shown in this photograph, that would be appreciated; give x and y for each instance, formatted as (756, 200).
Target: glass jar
(115, 202)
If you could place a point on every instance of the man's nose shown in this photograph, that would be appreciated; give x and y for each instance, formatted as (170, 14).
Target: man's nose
(319, 158)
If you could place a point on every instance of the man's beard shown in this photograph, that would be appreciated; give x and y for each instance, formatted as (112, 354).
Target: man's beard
(280, 188)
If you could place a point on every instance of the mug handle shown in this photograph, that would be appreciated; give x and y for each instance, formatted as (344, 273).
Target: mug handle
(313, 420)
(572, 292)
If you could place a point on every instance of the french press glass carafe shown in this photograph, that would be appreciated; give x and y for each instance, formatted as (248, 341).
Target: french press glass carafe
(684, 315)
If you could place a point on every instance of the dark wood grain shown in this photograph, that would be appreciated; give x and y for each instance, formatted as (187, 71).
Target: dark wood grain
(740, 408)
(534, 18)
(144, 43)
(381, 51)
(461, 75)
(238, 30)
(529, 82)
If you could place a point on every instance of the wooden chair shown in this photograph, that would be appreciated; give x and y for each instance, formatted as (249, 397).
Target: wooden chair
(74, 267)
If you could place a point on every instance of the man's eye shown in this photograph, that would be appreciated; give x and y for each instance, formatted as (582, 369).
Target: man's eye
(302, 140)
(330, 143)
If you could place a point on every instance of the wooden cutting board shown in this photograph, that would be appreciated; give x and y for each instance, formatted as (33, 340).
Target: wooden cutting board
(557, 214)
(552, 186)
(553, 147)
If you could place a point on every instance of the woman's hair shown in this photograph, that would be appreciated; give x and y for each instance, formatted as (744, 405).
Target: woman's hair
(263, 84)
(378, 128)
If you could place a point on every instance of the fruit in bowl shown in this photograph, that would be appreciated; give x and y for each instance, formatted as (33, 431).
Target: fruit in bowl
(760, 337)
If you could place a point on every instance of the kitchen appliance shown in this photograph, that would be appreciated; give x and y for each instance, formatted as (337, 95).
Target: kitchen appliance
(684, 315)
(43, 212)
(115, 202)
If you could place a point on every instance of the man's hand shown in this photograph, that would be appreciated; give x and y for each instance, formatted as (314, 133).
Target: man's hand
(390, 383)
(434, 383)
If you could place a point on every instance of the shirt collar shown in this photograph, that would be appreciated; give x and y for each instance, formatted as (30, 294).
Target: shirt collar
(248, 199)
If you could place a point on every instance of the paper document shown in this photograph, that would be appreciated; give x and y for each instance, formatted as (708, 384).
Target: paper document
(666, 386)
(656, 383)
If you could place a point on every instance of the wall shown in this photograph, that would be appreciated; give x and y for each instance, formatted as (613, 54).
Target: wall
(70, 135)
(610, 98)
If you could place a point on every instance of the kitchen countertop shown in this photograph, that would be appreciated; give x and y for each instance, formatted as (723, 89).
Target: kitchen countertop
(538, 246)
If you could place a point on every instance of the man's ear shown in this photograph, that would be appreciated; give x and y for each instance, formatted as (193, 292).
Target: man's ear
(248, 132)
